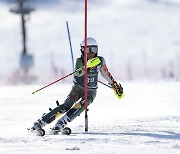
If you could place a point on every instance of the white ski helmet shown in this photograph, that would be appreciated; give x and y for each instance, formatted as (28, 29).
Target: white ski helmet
(91, 45)
(90, 42)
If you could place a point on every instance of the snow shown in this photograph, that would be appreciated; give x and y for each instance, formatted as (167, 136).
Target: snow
(145, 121)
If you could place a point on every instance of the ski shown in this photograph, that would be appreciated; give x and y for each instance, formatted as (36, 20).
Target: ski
(41, 132)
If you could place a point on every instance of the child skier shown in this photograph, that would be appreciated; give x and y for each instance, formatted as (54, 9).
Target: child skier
(77, 93)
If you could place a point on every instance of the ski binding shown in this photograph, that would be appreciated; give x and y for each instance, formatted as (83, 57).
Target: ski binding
(39, 132)
(66, 131)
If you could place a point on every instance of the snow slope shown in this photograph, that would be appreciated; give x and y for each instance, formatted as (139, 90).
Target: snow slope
(145, 121)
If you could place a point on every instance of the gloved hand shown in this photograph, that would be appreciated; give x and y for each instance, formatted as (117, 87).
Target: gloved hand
(118, 89)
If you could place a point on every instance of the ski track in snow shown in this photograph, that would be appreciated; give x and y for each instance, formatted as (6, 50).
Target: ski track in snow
(115, 126)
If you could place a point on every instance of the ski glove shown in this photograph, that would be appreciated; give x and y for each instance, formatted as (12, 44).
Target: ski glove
(118, 89)
(90, 65)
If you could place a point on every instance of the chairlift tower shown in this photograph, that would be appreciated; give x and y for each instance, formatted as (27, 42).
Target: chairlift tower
(23, 9)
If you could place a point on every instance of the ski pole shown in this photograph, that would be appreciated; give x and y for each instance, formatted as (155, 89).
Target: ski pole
(91, 63)
(122, 95)
(64, 78)
(105, 84)
(57, 80)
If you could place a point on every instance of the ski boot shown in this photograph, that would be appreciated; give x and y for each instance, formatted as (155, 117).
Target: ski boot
(37, 128)
(68, 117)
(60, 126)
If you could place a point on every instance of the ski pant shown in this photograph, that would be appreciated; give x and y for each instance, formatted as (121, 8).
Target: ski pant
(77, 93)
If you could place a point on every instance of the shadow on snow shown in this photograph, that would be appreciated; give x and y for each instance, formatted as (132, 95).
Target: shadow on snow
(160, 135)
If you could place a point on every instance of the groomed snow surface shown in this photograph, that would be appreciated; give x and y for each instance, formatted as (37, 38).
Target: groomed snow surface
(145, 121)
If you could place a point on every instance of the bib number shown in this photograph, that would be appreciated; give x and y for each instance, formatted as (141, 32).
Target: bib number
(90, 80)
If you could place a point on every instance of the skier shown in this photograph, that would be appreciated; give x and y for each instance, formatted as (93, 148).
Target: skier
(77, 93)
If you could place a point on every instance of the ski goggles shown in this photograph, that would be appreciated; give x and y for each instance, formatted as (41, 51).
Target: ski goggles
(91, 49)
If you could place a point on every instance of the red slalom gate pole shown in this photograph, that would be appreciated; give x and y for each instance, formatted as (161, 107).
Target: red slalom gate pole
(85, 66)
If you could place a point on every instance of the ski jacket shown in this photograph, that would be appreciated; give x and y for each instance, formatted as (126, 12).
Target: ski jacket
(92, 74)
